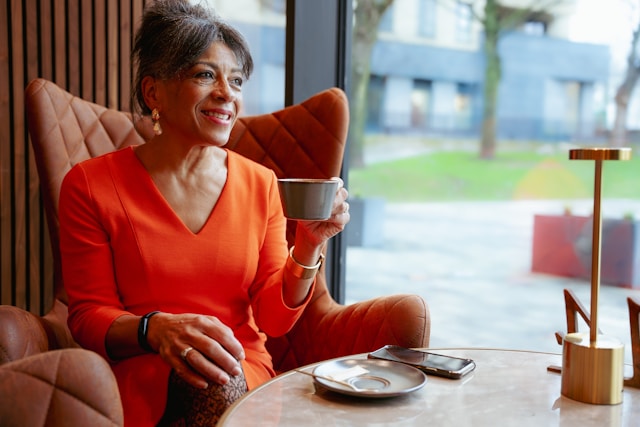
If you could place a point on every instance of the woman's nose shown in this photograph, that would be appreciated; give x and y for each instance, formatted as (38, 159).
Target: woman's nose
(223, 90)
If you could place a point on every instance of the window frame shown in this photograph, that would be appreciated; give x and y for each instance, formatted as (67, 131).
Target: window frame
(318, 46)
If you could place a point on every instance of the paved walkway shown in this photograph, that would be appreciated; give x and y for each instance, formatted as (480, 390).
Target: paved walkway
(472, 264)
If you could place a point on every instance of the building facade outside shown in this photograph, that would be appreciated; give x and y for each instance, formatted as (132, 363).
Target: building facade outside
(428, 74)
(428, 71)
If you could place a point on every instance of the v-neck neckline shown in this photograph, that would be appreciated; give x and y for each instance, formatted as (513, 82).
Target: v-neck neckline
(174, 215)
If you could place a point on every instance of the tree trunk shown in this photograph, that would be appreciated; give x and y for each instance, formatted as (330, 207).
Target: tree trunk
(623, 94)
(360, 74)
(491, 80)
(367, 16)
(619, 132)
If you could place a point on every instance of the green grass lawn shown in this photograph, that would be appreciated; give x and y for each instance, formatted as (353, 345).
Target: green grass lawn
(512, 175)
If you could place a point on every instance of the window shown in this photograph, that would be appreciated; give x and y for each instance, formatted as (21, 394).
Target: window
(427, 18)
(459, 230)
(376, 101)
(534, 28)
(386, 23)
(463, 106)
(420, 104)
(563, 109)
(464, 21)
(277, 6)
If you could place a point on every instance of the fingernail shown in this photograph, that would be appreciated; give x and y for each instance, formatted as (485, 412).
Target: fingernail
(206, 386)
(236, 371)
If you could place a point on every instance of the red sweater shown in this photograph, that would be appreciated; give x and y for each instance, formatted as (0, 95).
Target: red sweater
(125, 251)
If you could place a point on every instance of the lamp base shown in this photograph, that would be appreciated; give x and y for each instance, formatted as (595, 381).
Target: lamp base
(592, 373)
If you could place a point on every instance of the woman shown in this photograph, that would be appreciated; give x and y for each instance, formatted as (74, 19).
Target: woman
(174, 252)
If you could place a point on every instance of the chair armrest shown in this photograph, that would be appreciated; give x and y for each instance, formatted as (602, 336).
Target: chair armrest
(328, 330)
(55, 323)
(21, 334)
(365, 326)
(70, 387)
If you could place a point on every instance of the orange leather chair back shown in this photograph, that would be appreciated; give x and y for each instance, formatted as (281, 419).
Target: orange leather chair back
(303, 140)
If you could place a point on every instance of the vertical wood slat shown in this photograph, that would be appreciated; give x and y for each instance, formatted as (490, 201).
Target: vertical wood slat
(100, 52)
(45, 49)
(72, 24)
(37, 299)
(6, 128)
(18, 158)
(87, 40)
(83, 46)
(123, 50)
(112, 54)
(60, 70)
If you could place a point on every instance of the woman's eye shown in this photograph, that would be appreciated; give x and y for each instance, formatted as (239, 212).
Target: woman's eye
(237, 81)
(205, 75)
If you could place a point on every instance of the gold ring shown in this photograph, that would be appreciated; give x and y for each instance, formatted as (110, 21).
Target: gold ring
(184, 353)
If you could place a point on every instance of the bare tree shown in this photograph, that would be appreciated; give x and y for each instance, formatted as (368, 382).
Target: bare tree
(367, 14)
(497, 19)
(625, 90)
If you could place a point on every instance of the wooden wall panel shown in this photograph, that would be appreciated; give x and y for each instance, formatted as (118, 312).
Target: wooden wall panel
(87, 38)
(16, 58)
(83, 46)
(37, 298)
(6, 293)
(100, 52)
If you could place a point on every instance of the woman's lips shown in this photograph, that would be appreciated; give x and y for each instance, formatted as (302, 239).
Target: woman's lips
(218, 115)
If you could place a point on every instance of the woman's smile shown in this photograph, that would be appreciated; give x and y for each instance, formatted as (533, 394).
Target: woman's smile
(217, 115)
(221, 116)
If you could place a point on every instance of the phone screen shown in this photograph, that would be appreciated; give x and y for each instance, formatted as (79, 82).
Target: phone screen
(430, 363)
(432, 360)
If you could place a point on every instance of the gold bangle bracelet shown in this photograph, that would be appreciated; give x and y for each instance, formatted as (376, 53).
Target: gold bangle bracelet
(302, 271)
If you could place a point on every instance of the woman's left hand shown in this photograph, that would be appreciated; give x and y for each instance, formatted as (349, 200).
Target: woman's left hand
(318, 232)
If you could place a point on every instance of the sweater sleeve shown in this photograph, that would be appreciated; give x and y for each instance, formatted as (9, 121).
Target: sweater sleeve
(271, 313)
(87, 264)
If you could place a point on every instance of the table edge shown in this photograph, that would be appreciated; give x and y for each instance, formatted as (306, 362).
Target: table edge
(231, 409)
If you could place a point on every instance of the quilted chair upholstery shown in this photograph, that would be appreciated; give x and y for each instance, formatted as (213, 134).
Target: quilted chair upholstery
(308, 141)
(304, 140)
(70, 386)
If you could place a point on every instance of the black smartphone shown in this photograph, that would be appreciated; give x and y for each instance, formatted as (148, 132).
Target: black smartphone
(429, 363)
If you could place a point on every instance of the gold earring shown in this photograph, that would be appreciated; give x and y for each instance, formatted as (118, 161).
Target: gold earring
(155, 118)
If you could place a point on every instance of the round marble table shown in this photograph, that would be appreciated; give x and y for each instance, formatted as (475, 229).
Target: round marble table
(507, 388)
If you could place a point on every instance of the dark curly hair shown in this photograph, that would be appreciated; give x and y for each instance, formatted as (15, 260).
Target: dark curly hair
(173, 34)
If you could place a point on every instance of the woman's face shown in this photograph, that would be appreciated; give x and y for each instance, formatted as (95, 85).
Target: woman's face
(202, 104)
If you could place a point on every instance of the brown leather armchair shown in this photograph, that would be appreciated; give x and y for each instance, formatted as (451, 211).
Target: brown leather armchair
(303, 140)
(68, 387)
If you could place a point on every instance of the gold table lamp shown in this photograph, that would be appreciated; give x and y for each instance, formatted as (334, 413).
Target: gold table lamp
(593, 364)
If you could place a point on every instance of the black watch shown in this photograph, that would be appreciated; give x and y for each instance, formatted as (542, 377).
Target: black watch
(143, 329)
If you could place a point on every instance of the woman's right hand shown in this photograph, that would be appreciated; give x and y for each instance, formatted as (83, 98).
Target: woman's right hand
(215, 352)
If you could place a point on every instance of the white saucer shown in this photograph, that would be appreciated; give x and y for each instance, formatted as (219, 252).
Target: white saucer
(383, 379)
